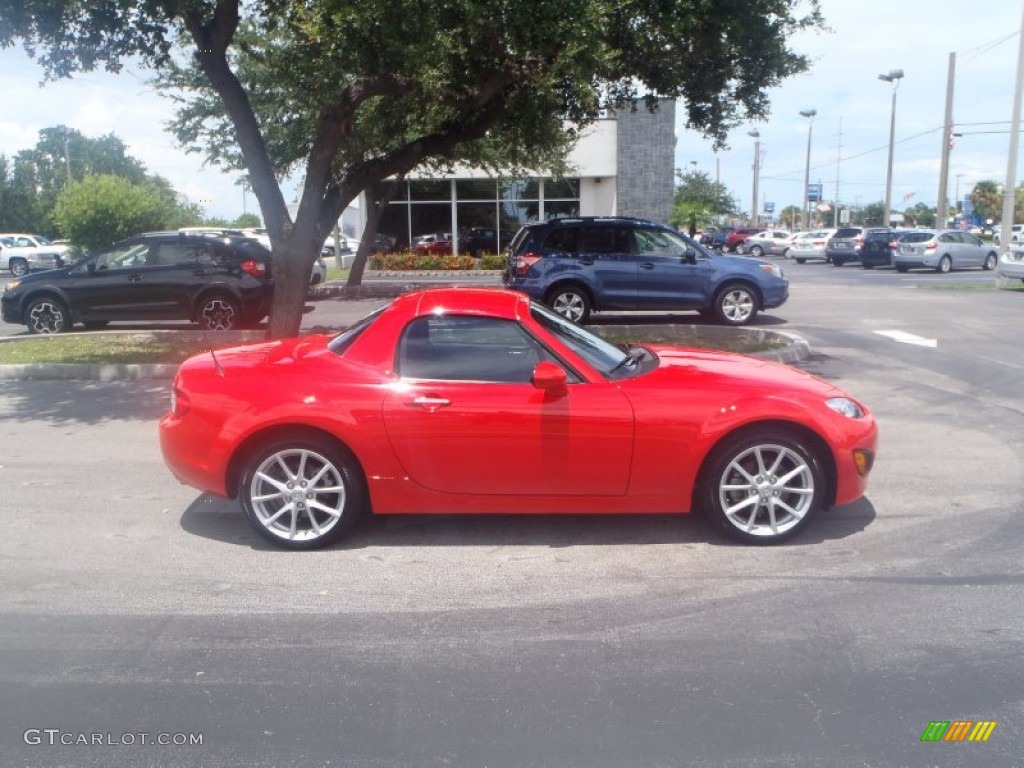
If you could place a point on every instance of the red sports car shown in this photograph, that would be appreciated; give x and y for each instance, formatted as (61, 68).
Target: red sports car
(482, 401)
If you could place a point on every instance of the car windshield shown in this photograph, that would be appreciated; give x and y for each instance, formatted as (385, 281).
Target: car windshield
(600, 354)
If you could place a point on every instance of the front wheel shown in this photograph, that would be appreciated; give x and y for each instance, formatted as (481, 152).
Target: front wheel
(18, 267)
(571, 303)
(302, 492)
(756, 251)
(800, 261)
(990, 262)
(901, 269)
(218, 313)
(736, 304)
(47, 316)
(762, 487)
(945, 265)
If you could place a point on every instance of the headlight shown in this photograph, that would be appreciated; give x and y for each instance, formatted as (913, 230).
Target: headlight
(845, 406)
(773, 269)
(12, 285)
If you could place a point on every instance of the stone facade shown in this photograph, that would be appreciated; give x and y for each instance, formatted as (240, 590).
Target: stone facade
(645, 182)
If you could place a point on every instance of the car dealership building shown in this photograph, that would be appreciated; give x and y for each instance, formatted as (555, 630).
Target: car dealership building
(623, 165)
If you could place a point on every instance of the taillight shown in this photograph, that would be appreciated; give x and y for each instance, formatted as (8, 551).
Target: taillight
(254, 267)
(859, 240)
(932, 245)
(525, 261)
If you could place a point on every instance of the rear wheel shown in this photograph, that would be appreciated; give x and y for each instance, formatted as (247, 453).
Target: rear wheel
(756, 251)
(302, 492)
(800, 261)
(571, 302)
(218, 312)
(900, 268)
(945, 265)
(990, 262)
(736, 304)
(762, 487)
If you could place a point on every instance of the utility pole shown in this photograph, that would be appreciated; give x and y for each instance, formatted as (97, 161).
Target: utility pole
(942, 213)
(839, 149)
(1010, 191)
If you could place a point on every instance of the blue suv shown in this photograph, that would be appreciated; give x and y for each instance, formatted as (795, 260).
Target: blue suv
(581, 265)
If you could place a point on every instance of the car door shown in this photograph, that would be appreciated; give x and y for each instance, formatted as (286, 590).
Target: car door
(110, 285)
(606, 251)
(466, 419)
(973, 249)
(667, 277)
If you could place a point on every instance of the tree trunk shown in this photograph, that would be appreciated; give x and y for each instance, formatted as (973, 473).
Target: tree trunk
(293, 265)
(375, 210)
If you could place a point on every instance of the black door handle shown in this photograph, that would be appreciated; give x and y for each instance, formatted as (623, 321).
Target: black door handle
(134, 278)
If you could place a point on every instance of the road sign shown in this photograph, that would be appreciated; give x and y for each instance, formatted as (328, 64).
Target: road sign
(814, 192)
(769, 207)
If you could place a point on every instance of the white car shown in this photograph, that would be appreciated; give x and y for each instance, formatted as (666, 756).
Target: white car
(1016, 234)
(23, 253)
(1011, 263)
(810, 245)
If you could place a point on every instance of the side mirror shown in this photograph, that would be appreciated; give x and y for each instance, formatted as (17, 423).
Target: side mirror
(691, 256)
(550, 378)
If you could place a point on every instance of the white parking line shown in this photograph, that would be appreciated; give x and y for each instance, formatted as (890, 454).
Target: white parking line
(909, 338)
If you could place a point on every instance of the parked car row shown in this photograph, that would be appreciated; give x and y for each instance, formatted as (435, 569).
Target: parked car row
(22, 253)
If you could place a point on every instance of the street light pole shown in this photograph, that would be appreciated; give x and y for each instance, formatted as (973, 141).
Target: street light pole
(757, 170)
(809, 114)
(894, 77)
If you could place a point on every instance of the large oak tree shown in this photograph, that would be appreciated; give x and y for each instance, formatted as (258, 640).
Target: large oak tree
(350, 92)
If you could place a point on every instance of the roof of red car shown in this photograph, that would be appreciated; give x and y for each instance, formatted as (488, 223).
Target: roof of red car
(489, 301)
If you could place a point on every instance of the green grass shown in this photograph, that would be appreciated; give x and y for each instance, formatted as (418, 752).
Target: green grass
(100, 349)
(972, 287)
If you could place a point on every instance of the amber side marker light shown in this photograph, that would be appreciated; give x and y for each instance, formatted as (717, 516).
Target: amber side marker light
(864, 459)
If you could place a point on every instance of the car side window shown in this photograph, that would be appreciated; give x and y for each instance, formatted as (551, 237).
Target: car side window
(468, 348)
(604, 240)
(123, 257)
(565, 239)
(949, 237)
(184, 254)
(653, 242)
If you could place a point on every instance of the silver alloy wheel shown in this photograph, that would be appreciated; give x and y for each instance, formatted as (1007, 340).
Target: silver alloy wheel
(990, 262)
(756, 251)
(766, 490)
(297, 494)
(18, 267)
(46, 316)
(569, 304)
(218, 314)
(737, 305)
(945, 264)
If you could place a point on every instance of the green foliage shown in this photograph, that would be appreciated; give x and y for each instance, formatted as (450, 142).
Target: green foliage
(247, 221)
(921, 215)
(699, 201)
(987, 200)
(493, 261)
(872, 215)
(102, 209)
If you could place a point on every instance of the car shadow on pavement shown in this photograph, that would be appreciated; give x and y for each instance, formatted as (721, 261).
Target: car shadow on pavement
(672, 318)
(223, 520)
(83, 401)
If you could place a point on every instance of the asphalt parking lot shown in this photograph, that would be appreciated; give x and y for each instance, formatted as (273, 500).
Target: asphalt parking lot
(132, 604)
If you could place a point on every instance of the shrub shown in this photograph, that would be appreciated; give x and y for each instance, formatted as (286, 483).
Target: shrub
(411, 261)
(493, 261)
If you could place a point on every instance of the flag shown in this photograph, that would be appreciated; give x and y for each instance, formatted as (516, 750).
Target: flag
(909, 195)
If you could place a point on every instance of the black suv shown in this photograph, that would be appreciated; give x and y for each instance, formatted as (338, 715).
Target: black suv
(582, 264)
(216, 281)
(844, 245)
(877, 248)
(480, 240)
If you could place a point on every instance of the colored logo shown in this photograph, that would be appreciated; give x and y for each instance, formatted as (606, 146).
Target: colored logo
(958, 730)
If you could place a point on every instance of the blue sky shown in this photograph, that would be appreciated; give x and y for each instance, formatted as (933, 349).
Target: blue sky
(868, 37)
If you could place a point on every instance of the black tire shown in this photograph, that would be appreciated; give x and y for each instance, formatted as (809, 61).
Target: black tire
(901, 269)
(571, 302)
(867, 266)
(990, 262)
(731, 480)
(47, 315)
(18, 267)
(736, 304)
(218, 312)
(304, 526)
(92, 324)
(945, 265)
(756, 251)
(800, 261)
